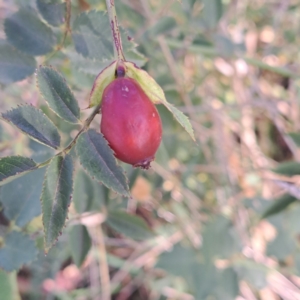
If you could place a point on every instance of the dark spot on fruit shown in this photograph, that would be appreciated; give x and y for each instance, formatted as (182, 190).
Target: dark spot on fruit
(144, 164)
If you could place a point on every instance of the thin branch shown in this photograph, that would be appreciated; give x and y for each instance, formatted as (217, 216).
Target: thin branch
(66, 150)
(99, 243)
(145, 258)
(66, 31)
(114, 25)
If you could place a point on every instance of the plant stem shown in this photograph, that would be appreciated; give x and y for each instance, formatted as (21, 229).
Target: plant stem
(66, 150)
(97, 236)
(114, 25)
(66, 30)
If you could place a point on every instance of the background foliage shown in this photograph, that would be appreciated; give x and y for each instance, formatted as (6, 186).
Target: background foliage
(213, 219)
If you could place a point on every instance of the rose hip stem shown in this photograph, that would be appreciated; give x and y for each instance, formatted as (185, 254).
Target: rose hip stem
(114, 25)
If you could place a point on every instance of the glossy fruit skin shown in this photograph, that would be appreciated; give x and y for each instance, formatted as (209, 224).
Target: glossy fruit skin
(130, 122)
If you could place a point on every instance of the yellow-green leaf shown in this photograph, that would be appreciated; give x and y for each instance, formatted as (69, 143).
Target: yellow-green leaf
(147, 83)
(104, 78)
(156, 94)
(181, 118)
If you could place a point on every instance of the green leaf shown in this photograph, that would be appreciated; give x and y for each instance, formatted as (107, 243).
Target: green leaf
(18, 250)
(56, 197)
(28, 33)
(35, 124)
(224, 45)
(53, 11)
(80, 243)
(296, 137)
(203, 278)
(21, 198)
(289, 168)
(88, 194)
(163, 25)
(212, 12)
(228, 284)
(146, 82)
(9, 286)
(97, 159)
(285, 242)
(91, 34)
(58, 95)
(14, 65)
(86, 65)
(182, 119)
(179, 261)
(129, 225)
(12, 167)
(129, 49)
(135, 57)
(278, 205)
(156, 94)
(220, 240)
(252, 272)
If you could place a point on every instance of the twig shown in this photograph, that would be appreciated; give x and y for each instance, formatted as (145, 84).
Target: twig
(66, 31)
(145, 258)
(97, 236)
(114, 25)
(66, 150)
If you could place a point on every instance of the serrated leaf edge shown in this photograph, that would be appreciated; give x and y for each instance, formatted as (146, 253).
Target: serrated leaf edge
(64, 80)
(37, 109)
(46, 249)
(158, 99)
(118, 166)
(19, 174)
(42, 21)
(90, 59)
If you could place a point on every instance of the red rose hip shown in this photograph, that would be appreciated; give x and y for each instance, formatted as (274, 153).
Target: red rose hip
(130, 122)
